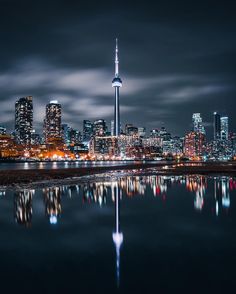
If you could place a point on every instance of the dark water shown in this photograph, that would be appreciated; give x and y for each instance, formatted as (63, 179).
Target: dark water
(175, 234)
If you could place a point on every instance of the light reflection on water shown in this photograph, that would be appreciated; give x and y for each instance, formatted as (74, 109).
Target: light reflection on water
(60, 164)
(209, 194)
(128, 186)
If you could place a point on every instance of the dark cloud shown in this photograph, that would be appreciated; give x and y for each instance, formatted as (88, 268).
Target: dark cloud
(176, 58)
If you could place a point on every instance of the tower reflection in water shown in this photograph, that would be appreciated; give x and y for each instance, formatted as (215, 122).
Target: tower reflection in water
(23, 207)
(117, 235)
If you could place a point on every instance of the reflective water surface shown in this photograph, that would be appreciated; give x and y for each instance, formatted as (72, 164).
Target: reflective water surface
(132, 233)
(62, 164)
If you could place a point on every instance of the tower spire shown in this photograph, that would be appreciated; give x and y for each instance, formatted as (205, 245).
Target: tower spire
(117, 83)
(117, 60)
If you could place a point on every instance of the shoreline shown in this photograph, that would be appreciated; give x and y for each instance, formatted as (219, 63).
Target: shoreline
(48, 177)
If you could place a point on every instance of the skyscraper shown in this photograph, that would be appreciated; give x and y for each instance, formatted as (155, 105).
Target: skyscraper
(87, 130)
(194, 144)
(99, 127)
(217, 127)
(142, 131)
(74, 136)
(65, 129)
(24, 120)
(112, 128)
(117, 83)
(224, 128)
(131, 130)
(197, 123)
(52, 122)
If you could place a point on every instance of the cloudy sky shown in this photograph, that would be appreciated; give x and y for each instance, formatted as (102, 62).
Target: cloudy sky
(176, 58)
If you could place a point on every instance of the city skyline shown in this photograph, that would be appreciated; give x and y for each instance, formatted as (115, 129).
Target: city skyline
(197, 124)
(117, 146)
(173, 62)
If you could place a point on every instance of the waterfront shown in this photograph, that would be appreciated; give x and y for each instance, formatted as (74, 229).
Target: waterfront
(25, 165)
(178, 232)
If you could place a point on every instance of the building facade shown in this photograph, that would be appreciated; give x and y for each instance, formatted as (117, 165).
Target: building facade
(24, 120)
(52, 122)
(104, 147)
(87, 130)
(194, 145)
(217, 126)
(197, 123)
(99, 128)
(224, 128)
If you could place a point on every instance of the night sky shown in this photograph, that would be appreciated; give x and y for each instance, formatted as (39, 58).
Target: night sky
(176, 58)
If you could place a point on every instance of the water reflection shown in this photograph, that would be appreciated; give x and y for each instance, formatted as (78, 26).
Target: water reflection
(52, 200)
(203, 188)
(95, 192)
(23, 207)
(91, 231)
(209, 193)
(117, 236)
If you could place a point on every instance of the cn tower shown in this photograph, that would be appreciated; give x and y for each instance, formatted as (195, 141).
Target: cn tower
(117, 83)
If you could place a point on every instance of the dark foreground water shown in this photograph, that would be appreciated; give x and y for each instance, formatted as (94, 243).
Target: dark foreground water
(175, 234)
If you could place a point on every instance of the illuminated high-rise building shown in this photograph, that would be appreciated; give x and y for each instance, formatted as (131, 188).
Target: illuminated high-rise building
(52, 122)
(224, 128)
(197, 123)
(99, 127)
(65, 129)
(24, 120)
(104, 146)
(87, 130)
(75, 136)
(112, 128)
(194, 144)
(142, 131)
(131, 130)
(217, 127)
(117, 83)
(35, 138)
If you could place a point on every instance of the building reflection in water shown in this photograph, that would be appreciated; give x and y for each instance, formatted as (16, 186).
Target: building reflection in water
(52, 200)
(2, 192)
(95, 192)
(198, 185)
(129, 186)
(222, 187)
(23, 207)
(117, 235)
